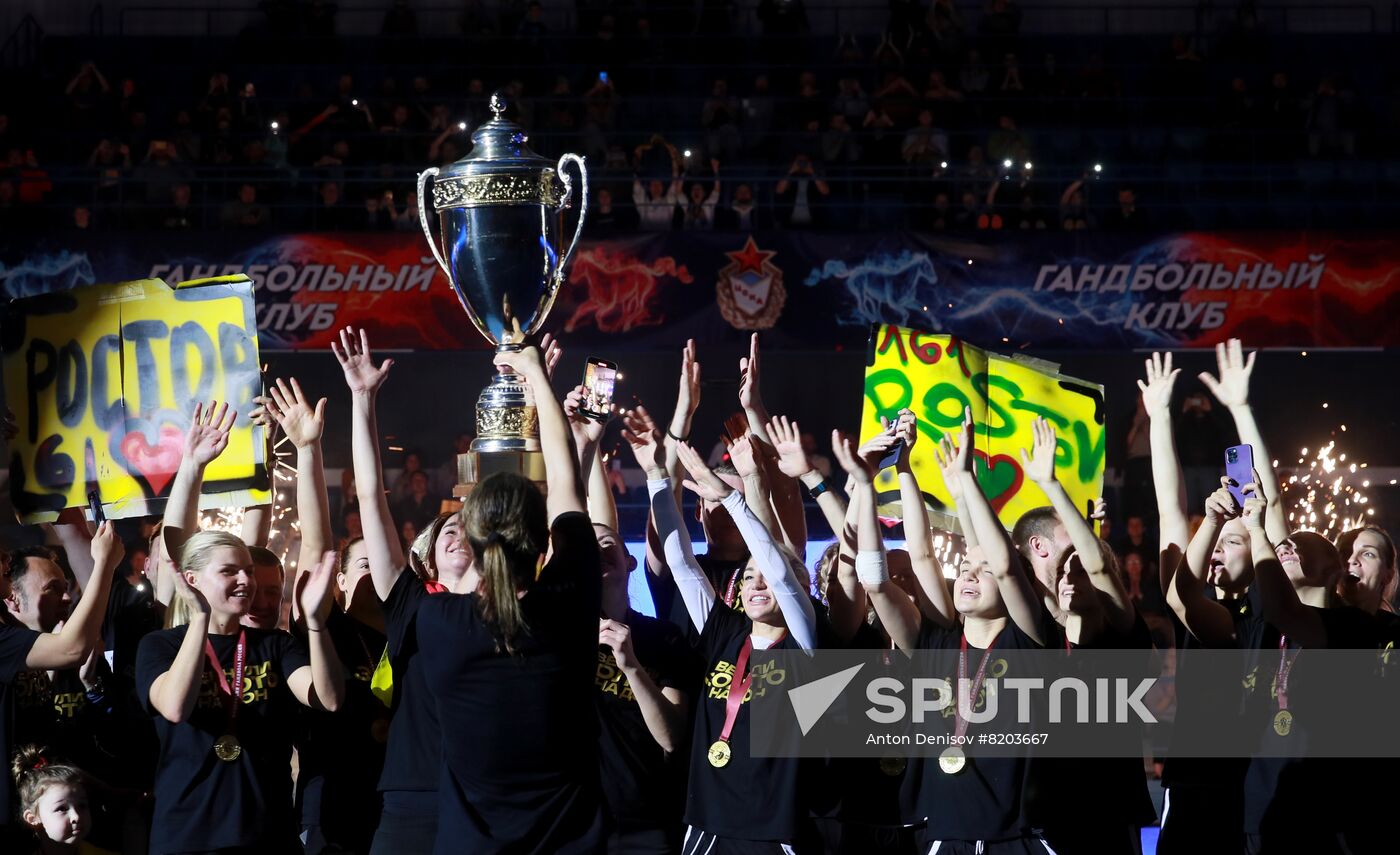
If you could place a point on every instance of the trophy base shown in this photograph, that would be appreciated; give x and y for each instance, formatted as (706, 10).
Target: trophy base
(476, 466)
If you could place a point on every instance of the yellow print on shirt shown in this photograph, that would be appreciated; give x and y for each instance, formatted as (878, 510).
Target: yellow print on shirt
(258, 681)
(766, 675)
(611, 681)
(34, 689)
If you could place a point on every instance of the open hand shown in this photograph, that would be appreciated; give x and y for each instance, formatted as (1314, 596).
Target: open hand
(302, 423)
(850, 460)
(207, 436)
(107, 548)
(1040, 465)
(1232, 387)
(703, 482)
(787, 443)
(585, 428)
(688, 396)
(1157, 391)
(749, 395)
(641, 435)
(315, 595)
(352, 353)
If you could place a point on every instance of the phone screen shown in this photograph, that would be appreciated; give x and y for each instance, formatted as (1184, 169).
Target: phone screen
(1239, 467)
(599, 380)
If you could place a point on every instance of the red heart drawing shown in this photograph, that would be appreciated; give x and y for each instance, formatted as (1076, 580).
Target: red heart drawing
(1000, 477)
(157, 465)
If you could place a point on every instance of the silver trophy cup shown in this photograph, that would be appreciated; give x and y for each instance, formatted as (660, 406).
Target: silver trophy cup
(500, 213)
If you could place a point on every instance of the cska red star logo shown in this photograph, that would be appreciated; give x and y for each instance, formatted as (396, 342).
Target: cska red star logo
(750, 289)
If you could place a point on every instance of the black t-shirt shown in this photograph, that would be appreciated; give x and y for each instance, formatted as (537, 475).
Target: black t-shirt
(132, 613)
(1282, 794)
(750, 798)
(15, 644)
(342, 753)
(520, 763)
(640, 783)
(1209, 700)
(1072, 792)
(55, 712)
(414, 752)
(202, 802)
(985, 800)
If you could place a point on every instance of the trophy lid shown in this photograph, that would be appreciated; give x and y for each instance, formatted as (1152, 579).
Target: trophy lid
(499, 145)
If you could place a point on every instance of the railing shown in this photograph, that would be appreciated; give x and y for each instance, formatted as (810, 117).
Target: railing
(436, 20)
(21, 49)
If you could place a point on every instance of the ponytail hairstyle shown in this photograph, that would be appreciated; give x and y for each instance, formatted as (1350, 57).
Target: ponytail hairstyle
(505, 521)
(34, 771)
(826, 569)
(342, 566)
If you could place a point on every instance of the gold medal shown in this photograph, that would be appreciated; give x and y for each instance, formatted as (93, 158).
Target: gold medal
(893, 765)
(226, 748)
(1283, 722)
(379, 731)
(719, 754)
(952, 761)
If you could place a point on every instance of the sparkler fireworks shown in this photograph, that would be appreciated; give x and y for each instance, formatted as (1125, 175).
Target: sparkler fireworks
(1322, 495)
(286, 528)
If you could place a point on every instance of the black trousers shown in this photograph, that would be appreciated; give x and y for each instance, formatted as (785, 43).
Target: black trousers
(408, 824)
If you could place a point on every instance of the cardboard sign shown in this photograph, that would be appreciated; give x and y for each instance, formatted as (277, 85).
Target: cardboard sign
(103, 381)
(937, 376)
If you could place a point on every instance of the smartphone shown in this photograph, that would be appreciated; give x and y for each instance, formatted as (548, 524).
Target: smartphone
(95, 505)
(1239, 467)
(599, 379)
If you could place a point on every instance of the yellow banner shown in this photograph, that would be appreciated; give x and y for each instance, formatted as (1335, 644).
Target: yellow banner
(103, 381)
(937, 376)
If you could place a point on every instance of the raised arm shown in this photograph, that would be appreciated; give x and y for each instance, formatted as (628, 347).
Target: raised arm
(1167, 479)
(947, 458)
(918, 540)
(386, 559)
(206, 439)
(320, 685)
(82, 632)
(1277, 597)
(1022, 602)
(1039, 467)
(897, 613)
(784, 493)
(743, 453)
(75, 538)
(588, 432)
(1232, 390)
(794, 463)
(694, 586)
(791, 591)
(304, 424)
(561, 470)
(687, 400)
(1204, 618)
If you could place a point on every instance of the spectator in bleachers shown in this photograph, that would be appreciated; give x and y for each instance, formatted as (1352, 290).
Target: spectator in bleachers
(899, 97)
(600, 104)
(838, 143)
(1074, 211)
(974, 77)
(332, 213)
(1280, 115)
(605, 219)
(159, 172)
(698, 213)
(743, 213)
(1010, 85)
(179, 215)
(720, 119)
(881, 139)
(1126, 216)
(939, 217)
(87, 92)
(245, 211)
(110, 163)
(851, 100)
(379, 213)
(1330, 123)
(976, 174)
(924, 144)
(656, 203)
(758, 116)
(970, 211)
(801, 194)
(1028, 216)
(1008, 142)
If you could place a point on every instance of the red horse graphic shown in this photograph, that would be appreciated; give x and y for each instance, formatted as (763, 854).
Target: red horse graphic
(621, 289)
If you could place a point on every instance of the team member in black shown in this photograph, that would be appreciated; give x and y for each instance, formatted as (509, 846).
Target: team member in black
(340, 755)
(22, 648)
(513, 663)
(967, 804)
(223, 699)
(735, 802)
(642, 667)
(408, 785)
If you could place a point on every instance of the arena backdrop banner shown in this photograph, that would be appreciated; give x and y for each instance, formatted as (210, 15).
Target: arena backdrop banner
(111, 374)
(813, 291)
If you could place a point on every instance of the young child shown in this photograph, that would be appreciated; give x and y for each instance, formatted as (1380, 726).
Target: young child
(53, 803)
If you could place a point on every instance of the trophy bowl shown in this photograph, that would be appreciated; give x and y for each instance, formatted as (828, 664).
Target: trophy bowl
(500, 214)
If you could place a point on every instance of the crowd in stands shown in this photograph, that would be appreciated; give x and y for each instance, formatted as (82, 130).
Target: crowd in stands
(949, 120)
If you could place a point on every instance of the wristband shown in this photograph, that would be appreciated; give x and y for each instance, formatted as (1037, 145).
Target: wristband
(677, 438)
(871, 567)
(817, 489)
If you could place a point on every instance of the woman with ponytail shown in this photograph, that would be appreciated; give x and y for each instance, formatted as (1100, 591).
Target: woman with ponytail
(513, 662)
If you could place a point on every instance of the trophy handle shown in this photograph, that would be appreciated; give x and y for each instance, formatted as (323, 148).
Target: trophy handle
(582, 209)
(423, 218)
